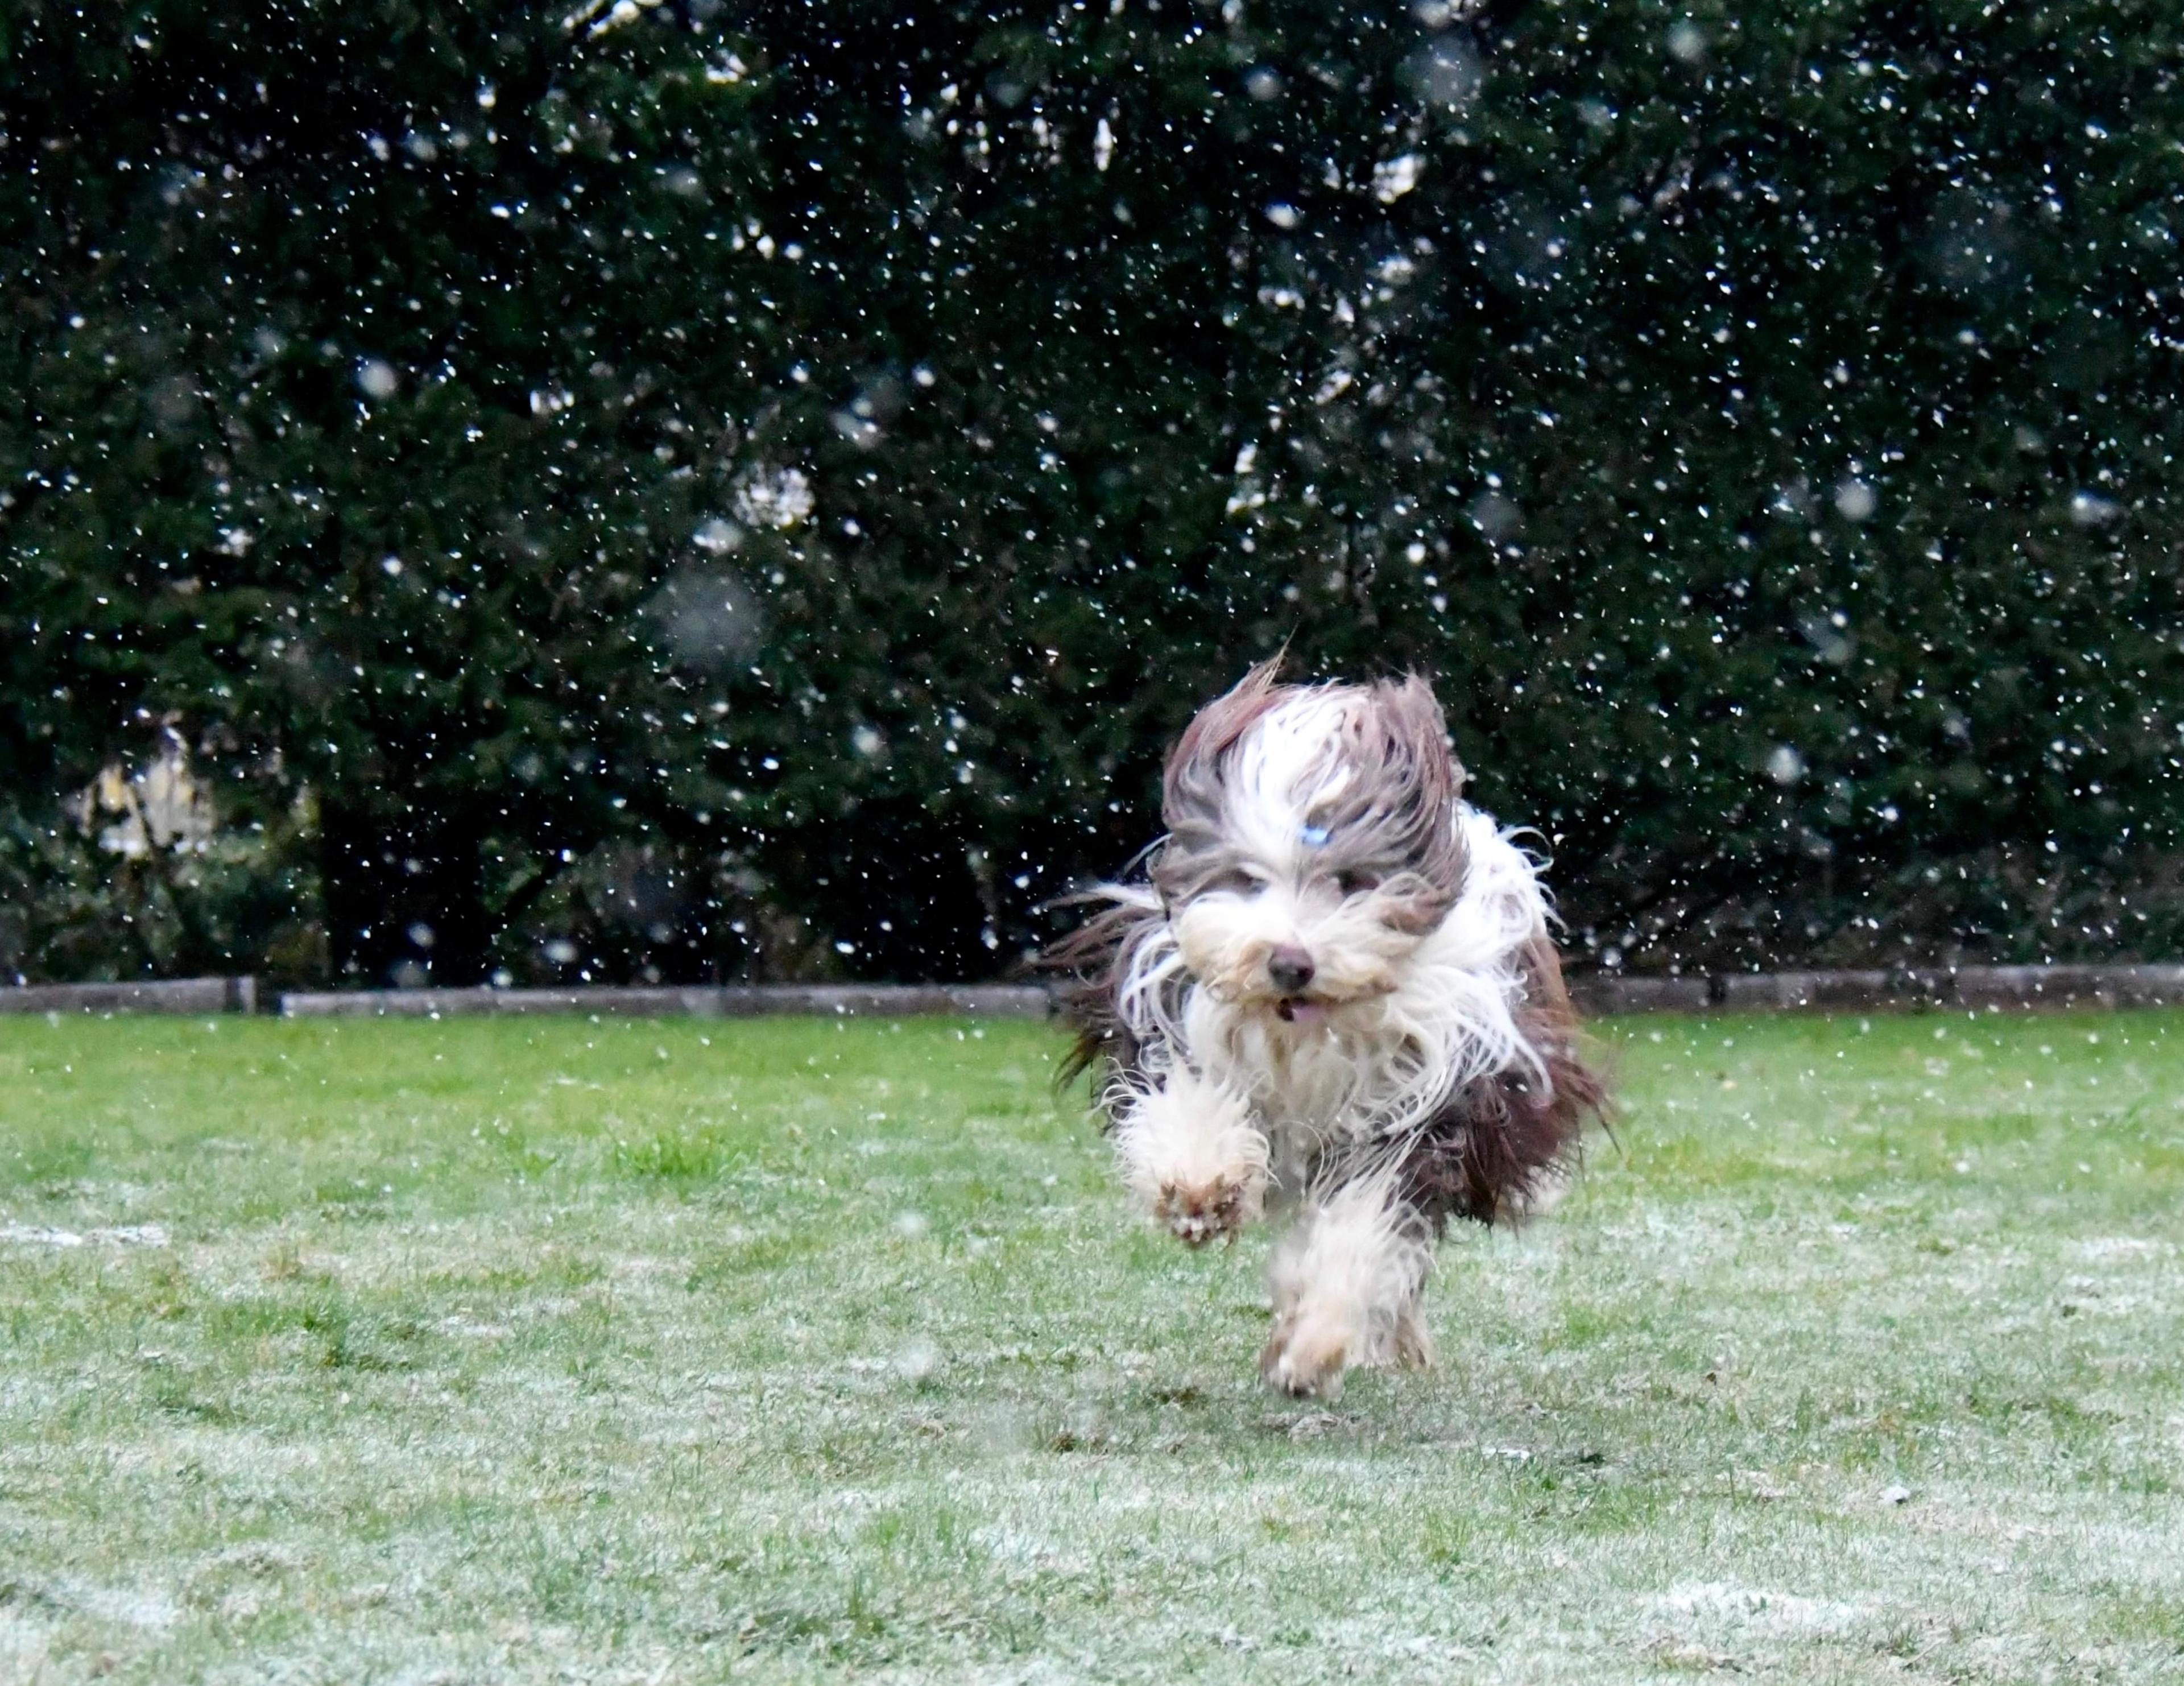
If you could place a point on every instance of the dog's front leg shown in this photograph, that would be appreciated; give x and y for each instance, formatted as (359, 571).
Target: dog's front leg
(1191, 1151)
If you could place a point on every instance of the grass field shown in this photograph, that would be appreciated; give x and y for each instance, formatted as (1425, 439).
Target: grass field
(660, 1352)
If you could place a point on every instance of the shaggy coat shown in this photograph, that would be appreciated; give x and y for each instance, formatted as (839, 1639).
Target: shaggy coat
(1336, 992)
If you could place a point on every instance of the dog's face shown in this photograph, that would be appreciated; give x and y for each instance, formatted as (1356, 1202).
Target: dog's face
(1312, 841)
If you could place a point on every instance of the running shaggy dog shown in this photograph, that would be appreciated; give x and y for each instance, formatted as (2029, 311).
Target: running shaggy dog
(1335, 995)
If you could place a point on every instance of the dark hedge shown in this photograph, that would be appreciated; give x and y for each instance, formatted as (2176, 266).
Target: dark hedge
(697, 489)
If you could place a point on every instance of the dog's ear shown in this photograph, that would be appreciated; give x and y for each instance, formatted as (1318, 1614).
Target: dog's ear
(1414, 717)
(1190, 783)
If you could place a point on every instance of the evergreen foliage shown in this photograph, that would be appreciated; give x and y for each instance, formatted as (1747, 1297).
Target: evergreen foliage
(715, 488)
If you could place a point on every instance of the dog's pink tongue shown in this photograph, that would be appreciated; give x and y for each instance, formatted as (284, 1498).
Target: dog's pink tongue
(1299, 1012)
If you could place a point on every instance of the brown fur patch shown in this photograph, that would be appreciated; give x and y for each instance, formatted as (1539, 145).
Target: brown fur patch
(1213, 731)
(1487, 1152)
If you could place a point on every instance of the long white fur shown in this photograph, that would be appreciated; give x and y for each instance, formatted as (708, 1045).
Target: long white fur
(1284, 768)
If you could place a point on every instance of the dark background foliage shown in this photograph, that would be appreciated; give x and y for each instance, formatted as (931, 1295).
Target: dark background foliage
(700, 489)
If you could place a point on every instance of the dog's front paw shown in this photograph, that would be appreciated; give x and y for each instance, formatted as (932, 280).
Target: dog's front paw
(1307, 1352)
(1196, 1214)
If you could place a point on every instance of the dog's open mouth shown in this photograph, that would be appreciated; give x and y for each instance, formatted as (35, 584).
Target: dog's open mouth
(1300, 1009)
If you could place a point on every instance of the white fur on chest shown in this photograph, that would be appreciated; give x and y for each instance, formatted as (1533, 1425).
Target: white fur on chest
(1323, 1092)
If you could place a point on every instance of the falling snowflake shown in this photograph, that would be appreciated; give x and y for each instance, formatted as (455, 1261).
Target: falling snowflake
(377, 379)
(776, 498)
(1785, 766)
(717, 537)
(1393, 178)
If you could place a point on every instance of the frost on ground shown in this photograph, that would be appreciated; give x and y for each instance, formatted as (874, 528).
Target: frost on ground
(120, 1235)
(526, 1351)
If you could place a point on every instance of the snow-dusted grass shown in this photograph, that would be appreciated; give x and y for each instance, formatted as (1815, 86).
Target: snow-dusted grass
(664, 1352)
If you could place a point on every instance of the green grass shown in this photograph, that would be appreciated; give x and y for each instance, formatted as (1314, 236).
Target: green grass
(525, 1351)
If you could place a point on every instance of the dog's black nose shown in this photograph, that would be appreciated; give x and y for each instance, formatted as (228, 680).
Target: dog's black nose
(1289, 968)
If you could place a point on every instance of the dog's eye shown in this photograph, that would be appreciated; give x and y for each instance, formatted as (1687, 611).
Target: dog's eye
(1356, 883)
(1236, 883)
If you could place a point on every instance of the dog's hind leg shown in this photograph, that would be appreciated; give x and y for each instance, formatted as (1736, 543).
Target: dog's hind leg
(1413, 1345)
(1346, 1282)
